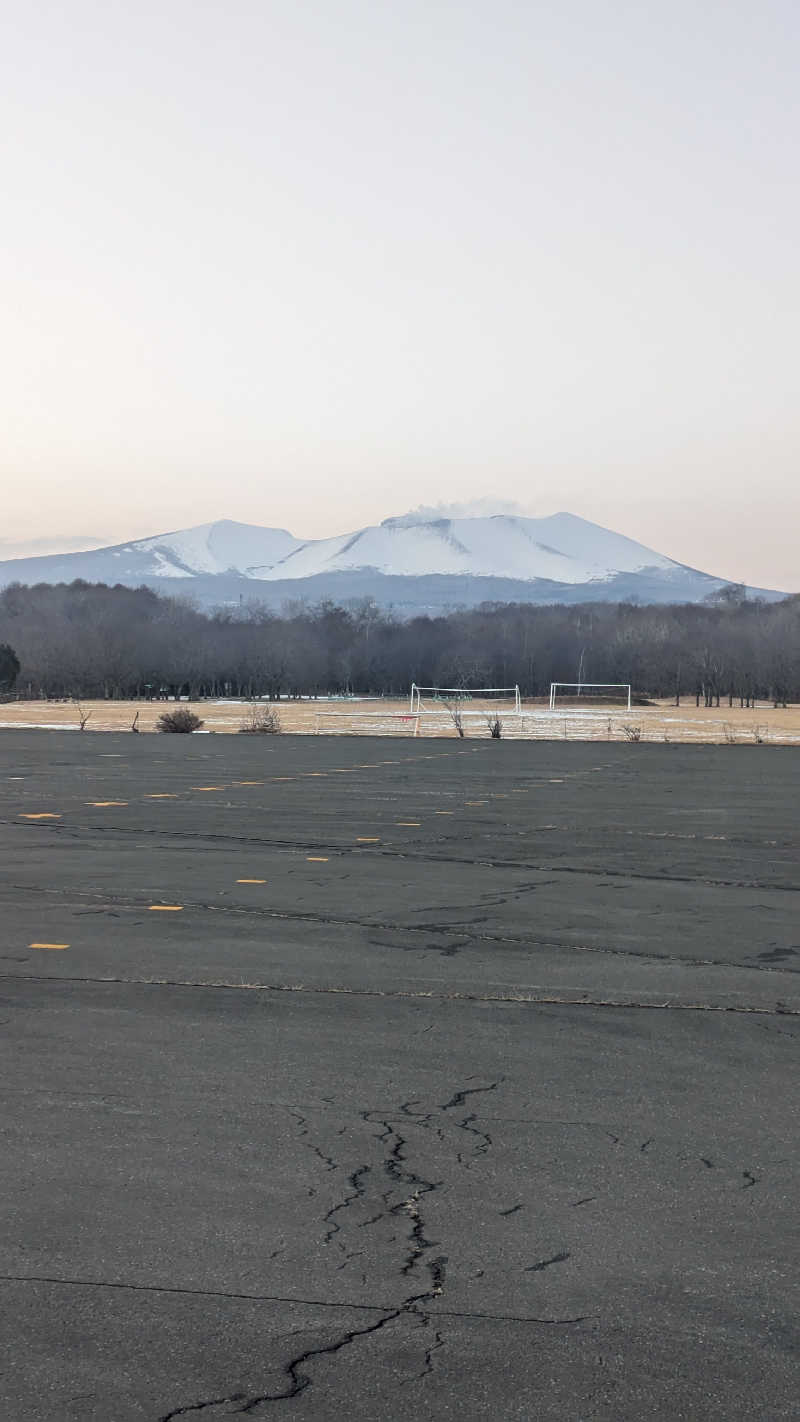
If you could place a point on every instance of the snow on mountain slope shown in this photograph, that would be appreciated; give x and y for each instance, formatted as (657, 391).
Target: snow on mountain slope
(219, 547)
(561, 548)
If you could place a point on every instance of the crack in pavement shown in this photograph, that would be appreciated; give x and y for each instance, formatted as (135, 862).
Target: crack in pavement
(407, 854)
(545, 1263)
(413, 1187)
(455, 930)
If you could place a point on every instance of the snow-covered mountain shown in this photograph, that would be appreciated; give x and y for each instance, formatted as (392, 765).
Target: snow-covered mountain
(418, 561)
(561, 549)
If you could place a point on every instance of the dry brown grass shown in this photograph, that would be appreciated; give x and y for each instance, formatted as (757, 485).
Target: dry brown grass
(660, 723)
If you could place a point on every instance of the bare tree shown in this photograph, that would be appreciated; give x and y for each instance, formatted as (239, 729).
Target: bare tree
(456, 716)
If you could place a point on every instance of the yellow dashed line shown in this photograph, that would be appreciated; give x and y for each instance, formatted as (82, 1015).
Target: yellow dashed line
(445, 812)
(317, 858)
(248, 782)
(44, 815)
(58, 946)
(209, 787)
(409, 824)
(251, 881)
(166, 908)
(476, 802)
(367, 839)
(105, 804)
(163, 796)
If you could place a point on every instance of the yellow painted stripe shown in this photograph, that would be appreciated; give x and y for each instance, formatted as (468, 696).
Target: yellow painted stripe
(367, 839)
(45, 815)
(251, 881)
(317, 858)
(209, 787)
(104, 804)
(166, 908)
(248, 782)
(476, 802)
(58, 946)
(444, 812)
(161, 797)
(409, 824)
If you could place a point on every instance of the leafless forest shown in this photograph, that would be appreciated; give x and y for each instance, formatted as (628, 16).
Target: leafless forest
(90, 640)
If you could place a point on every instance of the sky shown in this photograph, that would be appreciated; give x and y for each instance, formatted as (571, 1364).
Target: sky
(313, 264)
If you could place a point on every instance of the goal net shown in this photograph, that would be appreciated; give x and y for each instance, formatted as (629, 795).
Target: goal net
(586, 695)
(477, 701)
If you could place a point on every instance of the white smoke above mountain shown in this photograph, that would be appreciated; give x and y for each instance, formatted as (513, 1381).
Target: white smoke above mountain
(469, 508)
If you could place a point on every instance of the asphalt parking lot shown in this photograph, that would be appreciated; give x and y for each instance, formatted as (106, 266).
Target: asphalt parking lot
(394, 1079)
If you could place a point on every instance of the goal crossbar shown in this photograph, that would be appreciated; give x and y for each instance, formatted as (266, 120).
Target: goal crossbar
(593, 688)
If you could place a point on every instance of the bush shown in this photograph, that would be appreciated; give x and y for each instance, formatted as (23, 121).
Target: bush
(261, 721)
(632, 733)
(179, 723)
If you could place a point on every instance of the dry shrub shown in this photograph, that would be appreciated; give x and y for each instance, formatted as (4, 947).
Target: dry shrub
(261, 721)
(180, 722)
(632, 733)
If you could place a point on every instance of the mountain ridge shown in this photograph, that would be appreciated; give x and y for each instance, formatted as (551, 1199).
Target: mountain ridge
(413, 560)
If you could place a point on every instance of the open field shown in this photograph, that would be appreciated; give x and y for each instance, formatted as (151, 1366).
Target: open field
(431, 1080)
(663, 722)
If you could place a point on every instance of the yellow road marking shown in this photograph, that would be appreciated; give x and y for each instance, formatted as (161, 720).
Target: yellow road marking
(283, 777)
(248, 782)
(103, 804)
(208, 787)
(45, 815)
(161, 797)
(58, 946)
(166, 908)
(251, 881)
(556, 782)
(317, 858)
(367, 839)
(446, 812)
(316, 772)
(476, 802)
(409, 824)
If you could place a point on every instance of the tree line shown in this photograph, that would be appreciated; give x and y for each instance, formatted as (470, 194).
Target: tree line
(91, 640)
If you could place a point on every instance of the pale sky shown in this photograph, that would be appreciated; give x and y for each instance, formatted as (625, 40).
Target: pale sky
(312, 264)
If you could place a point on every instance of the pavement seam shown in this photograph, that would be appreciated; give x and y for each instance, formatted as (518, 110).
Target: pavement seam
(269, 1298)
(527, 999)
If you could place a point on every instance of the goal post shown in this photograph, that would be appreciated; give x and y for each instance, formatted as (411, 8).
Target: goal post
(489, 698)
(585, 693)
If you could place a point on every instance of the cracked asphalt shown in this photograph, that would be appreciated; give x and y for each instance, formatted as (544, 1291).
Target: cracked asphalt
(392, 1079)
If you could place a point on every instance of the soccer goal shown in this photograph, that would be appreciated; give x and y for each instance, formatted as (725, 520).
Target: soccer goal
(584, 695)
(476, 701)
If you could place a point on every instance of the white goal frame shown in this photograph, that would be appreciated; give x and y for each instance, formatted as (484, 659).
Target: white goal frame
(580, 686)
(466, 693)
